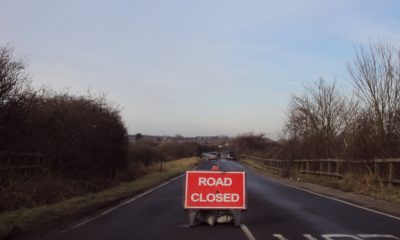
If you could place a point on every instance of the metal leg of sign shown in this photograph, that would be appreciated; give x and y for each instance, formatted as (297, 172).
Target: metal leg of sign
(236, 217)
(192, 217)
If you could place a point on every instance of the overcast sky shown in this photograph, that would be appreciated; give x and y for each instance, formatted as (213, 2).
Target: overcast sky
(194, 67)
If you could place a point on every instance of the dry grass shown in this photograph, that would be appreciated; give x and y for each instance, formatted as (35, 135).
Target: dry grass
(255, 165)
(369, 185)
(35, 219)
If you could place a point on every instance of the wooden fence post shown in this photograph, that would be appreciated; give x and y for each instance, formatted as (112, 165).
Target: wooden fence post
(337, 167)
(329, 167)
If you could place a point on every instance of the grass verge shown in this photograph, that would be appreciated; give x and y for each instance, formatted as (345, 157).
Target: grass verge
(369, 185)
(25, 221)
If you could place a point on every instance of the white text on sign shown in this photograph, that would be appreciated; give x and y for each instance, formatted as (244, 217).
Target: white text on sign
(218, 197)
(215, 182)
(215, 190)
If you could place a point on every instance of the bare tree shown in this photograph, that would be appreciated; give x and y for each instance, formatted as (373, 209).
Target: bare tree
(13, 79)
(15, 94)
(318, 117)
(375, 72)
(249, 143)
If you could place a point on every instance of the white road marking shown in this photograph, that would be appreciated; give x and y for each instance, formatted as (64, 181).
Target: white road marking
(79, 224)
(341, 201)
(247, 232)
(333, 236)
(279, 236)
(88, 220)
(309, 237)
(377, 236)
(341, 236)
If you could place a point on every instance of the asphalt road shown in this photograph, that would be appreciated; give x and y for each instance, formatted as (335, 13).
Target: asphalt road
(275, 211)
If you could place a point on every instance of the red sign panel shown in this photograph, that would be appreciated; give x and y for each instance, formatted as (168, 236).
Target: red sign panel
(215, 190)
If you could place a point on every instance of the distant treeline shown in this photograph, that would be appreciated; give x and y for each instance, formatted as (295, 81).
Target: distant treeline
(143, 153)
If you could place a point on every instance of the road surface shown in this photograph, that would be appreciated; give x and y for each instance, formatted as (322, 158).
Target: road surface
(275, 211)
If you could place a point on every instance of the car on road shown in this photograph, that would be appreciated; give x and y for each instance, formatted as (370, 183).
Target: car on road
(224, 155)
(212, 156)
(231, 156)
(204, 156)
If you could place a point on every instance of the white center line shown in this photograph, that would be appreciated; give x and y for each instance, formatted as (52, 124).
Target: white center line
(247, 232)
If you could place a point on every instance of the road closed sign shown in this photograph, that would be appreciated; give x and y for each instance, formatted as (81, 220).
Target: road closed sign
(215, 190)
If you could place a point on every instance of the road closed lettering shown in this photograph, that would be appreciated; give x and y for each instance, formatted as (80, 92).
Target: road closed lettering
(211, 181)
(215, 197)
(215, 190)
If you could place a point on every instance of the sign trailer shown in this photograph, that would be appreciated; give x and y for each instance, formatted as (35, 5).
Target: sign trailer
(215, 190)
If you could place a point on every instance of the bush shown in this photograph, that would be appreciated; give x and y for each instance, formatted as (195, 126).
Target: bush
(79, 134)
(82, 138)
(144, 153)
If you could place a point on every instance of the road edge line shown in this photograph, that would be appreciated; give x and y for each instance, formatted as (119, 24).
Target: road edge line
(341, 201)
(88, 220)
(276, 180)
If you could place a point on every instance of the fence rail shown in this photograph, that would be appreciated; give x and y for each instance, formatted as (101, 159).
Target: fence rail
(22, 162)
(12, 163)
(387, 169)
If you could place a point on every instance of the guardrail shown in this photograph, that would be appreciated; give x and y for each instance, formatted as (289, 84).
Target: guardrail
(387, 169)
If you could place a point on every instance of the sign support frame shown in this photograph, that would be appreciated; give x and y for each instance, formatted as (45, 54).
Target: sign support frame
(235, 212)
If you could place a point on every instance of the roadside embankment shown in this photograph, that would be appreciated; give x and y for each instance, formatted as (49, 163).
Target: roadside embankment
(34, 220)
(360, 191)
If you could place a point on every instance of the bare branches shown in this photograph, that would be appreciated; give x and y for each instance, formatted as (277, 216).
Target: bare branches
(249, 143)
(327, 124)
(375, 72)
(13, 79)
(319, 116)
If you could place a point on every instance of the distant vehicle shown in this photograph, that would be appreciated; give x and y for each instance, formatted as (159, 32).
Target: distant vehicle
(212, 156)
(231, 156)
(224, 155)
